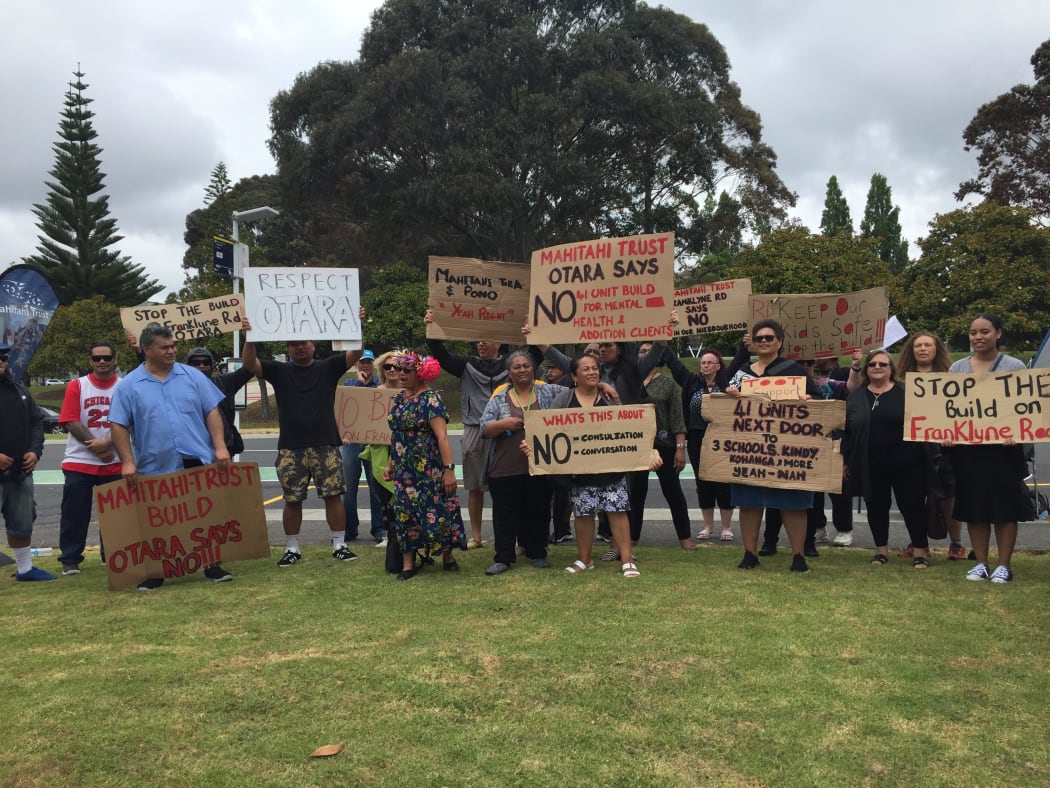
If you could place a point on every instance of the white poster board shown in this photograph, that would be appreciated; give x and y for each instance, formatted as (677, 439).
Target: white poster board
(285, 304)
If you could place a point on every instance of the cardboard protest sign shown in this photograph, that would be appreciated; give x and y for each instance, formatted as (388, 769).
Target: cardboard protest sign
(361, 413)
(784, 444)
(775, 386)
(826, 324)
(477, 299)
(195, 320)
(176, 524)
(302, 303)
(592, 440)
(609, 289)
(990, 407)
(713, 307)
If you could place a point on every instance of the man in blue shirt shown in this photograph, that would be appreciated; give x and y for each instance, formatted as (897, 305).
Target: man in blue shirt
(164, 417)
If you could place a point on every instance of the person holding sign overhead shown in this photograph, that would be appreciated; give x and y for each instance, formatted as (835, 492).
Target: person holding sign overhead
(767, 337)
(987, 477)
(426, 509)
(879, 460)
(479, 376)
(308, 442)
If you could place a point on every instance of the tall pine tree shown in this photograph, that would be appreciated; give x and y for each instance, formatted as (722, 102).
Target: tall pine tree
(882, 224)
(78, 232)
(836, 217)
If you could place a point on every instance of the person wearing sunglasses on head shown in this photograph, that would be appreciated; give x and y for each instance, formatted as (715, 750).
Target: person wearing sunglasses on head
(21, 444)
(90, 459)
(767, 338)
(879, 460)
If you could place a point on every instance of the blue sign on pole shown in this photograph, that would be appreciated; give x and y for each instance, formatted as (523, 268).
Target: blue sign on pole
(222, 258)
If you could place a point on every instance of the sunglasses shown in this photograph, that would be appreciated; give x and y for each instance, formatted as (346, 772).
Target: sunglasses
(879, 364)
(389, 367)
(102, 358)
(766, 338)
(199, 362)
(4, 357)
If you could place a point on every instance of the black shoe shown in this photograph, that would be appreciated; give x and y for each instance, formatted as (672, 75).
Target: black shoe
(810, 552)
(768, 549)
(344, 555)
(564, 537)
(217, 574)
(798, 563)
(406, 574)
(151, 583)
(450, 566)
(289, 558)
(750, 561)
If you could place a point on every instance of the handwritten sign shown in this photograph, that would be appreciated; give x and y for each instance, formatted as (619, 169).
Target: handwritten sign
(990, 407)
(609, 289)
(785, 444)
(775, 387)
(302, 303)
(176, 524)
(195, 320)
(361, 414)
(592, 440)
(477, 299)
(826, 324)
(713, 307)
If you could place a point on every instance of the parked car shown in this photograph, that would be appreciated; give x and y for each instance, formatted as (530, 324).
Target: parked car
(54, 382)
(50, 418)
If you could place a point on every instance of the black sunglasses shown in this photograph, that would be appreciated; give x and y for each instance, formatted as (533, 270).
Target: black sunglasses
(102, 357)
(766, 338)
(4, 356)
(199, 361)
(879, 364)
(389, 367)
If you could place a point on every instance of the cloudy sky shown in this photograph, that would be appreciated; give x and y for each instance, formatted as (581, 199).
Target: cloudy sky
(179, 87)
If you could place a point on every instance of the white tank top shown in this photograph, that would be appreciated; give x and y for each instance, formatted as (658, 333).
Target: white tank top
(94, 414)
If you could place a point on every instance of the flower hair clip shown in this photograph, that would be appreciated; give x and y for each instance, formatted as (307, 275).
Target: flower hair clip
(428, 369)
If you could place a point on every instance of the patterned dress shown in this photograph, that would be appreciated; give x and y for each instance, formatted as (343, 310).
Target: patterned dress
(425, 519)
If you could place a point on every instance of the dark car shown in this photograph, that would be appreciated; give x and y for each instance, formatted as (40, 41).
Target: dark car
(50, 418)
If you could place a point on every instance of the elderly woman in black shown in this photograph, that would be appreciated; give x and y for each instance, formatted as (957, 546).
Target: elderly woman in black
(880, 460)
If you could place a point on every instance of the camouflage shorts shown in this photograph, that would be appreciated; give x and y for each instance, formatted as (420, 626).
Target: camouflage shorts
(296, 467)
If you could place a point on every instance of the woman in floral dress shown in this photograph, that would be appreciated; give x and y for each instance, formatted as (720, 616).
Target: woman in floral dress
(426, 509)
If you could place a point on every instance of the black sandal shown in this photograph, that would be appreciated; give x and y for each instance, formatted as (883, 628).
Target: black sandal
(920, 562)
(879, 559)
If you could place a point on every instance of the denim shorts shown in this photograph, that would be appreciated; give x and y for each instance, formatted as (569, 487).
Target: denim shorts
(18, 507)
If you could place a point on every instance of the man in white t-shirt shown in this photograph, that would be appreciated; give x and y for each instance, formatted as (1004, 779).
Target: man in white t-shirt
(90, 459)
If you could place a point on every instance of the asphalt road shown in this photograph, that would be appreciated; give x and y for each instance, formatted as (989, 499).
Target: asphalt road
(657, 530)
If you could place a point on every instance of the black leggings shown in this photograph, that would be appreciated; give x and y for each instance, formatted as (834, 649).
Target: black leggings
(670, 485)
(908, 483)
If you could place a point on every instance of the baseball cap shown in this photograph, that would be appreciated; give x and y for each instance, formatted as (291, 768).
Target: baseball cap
(368, 355)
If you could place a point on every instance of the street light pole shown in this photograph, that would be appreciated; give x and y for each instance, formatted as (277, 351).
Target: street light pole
(251, 215)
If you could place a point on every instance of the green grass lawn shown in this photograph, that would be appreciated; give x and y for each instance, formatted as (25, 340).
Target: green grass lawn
(696, 673)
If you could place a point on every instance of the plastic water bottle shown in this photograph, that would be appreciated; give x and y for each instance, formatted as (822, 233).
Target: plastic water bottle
(39, 551)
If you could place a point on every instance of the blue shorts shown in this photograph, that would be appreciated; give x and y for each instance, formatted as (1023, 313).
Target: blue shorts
(18, 507)
(750, 496)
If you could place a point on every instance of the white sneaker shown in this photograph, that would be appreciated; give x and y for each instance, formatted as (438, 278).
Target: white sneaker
(1002, 574)
(382, 543)
(843, 539)
(820, 536)
(978, 573)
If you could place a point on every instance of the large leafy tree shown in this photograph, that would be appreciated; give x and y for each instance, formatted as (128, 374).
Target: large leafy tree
(1011, 135)
(794, 260)
(70, 333)
(78, 233)
(882, 224)
(394, 307)
(489, 129)
(836, 216)
(989, 258)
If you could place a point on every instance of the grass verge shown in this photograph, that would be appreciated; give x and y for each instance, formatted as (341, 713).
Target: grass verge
(696, 673)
